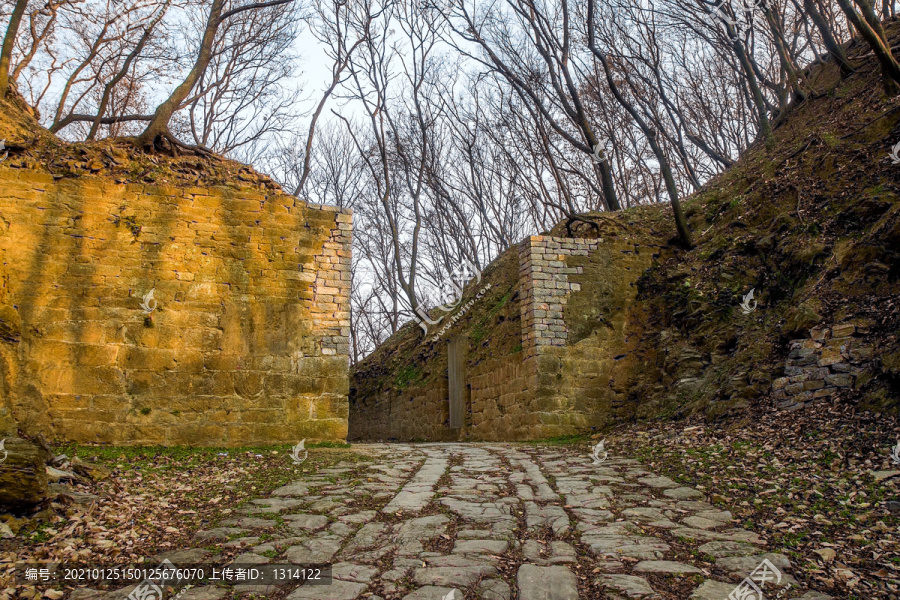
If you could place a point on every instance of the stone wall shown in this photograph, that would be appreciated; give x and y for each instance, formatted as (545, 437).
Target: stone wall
(247, 342)
(571, 373)
(500, 405)
(831, 360)
(584, 382)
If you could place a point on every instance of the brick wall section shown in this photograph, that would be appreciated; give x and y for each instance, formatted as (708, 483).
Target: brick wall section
(819, 367)
(545, 286)
(501, 405)
(248, 343)
(330, 297)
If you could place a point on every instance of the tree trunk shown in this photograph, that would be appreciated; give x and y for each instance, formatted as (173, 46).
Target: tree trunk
(159, 126)
(890, 69)
(9, 41)
(312, 130)
(681, 225)
(609, 188)
(787, 61)
(872, 19)
(831, 44)
(765, 128)
(684, 232)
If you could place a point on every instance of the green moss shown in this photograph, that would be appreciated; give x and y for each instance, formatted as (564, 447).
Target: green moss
(408, 375)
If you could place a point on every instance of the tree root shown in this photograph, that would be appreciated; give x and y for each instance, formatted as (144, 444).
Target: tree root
(167, 143)
(579, 219)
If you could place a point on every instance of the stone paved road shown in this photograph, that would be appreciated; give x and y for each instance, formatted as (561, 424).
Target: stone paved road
(494, 522)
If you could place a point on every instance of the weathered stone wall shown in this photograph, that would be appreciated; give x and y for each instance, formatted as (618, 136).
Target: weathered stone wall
(503, 403)
(585, 361)
(500, 405)
(248, 342)
(572, 372)
(832, 359)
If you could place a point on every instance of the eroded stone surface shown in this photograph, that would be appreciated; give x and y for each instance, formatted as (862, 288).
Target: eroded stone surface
(629, 586)
(664, 566)
(712, 590)
(338, 590)
(546, 583)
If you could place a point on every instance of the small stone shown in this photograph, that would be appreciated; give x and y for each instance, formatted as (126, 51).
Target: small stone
(827, 554)
(712, 590)
(882, 475)
(243, 541)
(432, 592)
(83, 498)
(306, 522)
(721, 549)
(664, 566)
(702, 523)
(218, 534)
(744, 565)
(682, 493)
(272, 505)
(351, 572)
(658, 482)
(316, 550)
(338, 590)
(207, 592)
(294, 489)
(480, 547)
(455, 576)
(631, 586)
(91, 471)
(839, 380)
(493, 589)
(249, 558)
(54, 475)
(839, 331)
(250, 523)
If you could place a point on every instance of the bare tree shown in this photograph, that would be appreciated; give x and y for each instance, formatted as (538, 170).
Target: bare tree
(114, 40)
(9, 41)
(869, 27)
(335, 28)
(157, 132)
(535, 58)
(649, 131)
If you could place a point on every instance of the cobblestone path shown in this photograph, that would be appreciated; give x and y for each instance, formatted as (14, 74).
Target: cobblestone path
(495, 522)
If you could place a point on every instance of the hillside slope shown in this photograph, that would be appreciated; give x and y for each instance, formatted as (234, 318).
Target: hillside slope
(810, 224)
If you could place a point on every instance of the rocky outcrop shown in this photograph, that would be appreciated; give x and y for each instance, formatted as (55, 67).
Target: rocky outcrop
(23, 475)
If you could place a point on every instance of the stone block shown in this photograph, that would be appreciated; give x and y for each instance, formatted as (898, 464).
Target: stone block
(846, 330)
(830, 356)
(839, 380)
